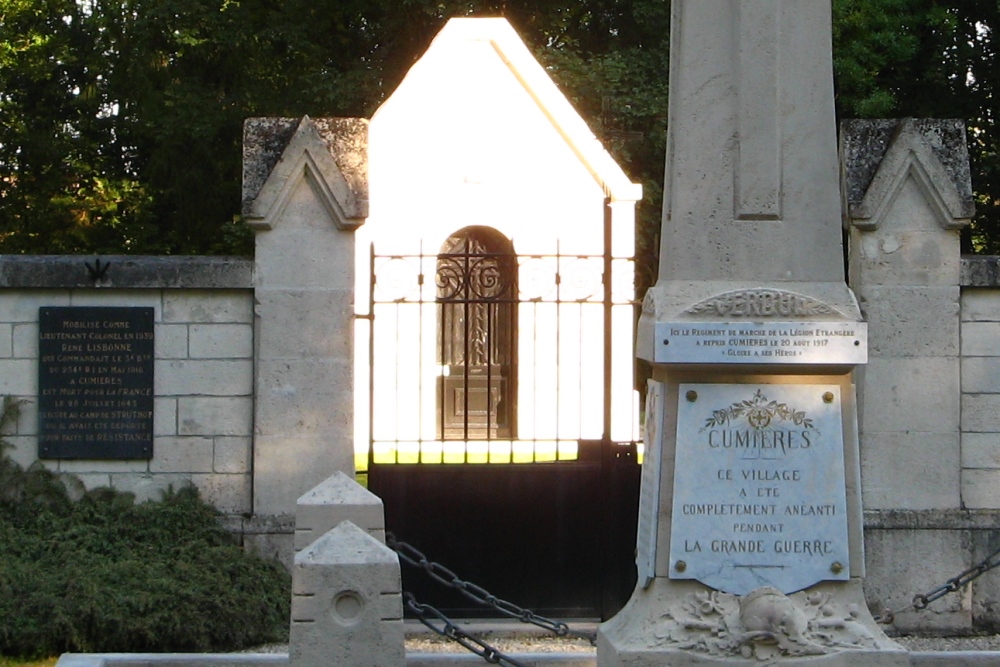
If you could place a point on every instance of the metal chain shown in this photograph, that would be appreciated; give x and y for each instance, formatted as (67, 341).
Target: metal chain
(428, 615)
(479, 595)
(922, 600)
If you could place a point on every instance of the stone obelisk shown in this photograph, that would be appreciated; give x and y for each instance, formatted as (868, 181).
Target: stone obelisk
(750, 526)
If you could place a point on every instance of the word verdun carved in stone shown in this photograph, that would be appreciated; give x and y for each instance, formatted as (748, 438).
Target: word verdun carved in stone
(764, 303)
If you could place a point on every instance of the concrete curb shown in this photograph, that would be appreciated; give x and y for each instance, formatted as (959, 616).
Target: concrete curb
(955, 658)
(172, 659)
(281, 659)
(917, 659)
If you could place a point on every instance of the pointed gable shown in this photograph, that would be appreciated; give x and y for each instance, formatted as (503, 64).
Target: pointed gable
(478, 52)
(330, 155)
(882, 159)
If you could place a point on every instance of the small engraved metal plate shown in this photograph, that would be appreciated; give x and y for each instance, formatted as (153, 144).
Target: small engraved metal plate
(815, 343)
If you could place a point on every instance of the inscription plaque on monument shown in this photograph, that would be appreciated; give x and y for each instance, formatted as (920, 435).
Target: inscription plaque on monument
(95, 383)
(759, 490)
(762, 342)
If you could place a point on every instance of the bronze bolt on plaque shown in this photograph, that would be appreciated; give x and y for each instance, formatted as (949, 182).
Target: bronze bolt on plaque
(95, 383)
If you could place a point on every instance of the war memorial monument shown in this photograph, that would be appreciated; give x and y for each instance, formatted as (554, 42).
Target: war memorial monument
(750, 528)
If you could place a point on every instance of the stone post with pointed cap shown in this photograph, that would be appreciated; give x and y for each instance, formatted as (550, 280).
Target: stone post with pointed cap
(750, 528)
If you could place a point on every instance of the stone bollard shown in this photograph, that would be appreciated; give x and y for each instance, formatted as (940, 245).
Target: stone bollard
(338, 498)
(347, 605)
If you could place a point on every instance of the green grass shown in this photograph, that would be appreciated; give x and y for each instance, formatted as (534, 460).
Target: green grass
(18, 662)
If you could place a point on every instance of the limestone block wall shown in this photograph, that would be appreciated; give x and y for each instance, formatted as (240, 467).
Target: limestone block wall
(203, 371)
(930, 394)
(980, 326)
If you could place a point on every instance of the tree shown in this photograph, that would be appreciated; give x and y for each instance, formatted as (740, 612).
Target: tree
(919, 58)
(120, 120)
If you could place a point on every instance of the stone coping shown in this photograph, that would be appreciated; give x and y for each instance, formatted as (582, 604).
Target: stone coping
(917, 659)
(954, 519)
(980, 271)
(125, 272)
(205, 272)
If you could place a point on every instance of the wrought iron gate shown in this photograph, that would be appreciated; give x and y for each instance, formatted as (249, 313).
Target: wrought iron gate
(502, 420)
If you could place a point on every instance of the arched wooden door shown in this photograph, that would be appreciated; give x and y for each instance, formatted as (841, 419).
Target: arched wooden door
(477, 296)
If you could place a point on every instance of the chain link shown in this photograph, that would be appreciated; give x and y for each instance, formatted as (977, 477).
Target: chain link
(428, 615)
(953, 585)
(479, 595)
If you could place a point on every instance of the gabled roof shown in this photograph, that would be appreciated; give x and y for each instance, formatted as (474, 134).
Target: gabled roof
(550, 100)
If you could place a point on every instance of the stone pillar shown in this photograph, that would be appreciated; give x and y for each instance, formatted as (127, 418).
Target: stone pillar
(750, 525)
(908, 193)
(347, 607)
(304, 191)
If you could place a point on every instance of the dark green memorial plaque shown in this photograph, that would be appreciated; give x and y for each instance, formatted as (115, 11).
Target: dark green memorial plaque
(95, 383)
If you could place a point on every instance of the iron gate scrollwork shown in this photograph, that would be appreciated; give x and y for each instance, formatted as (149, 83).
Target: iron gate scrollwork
(477, 294)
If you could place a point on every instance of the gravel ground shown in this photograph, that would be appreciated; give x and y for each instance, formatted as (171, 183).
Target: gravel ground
(523, 642)
(505, 644)
(538, 644)
(984, 643)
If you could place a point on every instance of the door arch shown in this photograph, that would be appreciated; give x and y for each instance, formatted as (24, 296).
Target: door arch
(477, 296)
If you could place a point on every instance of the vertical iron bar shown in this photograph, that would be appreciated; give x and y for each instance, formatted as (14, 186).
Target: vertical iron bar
(608, 477)
(420, 354)
(580, 405)
(371, 359)
(534, 382)
(559, 302)
(489, 371)
(513, 351)
(442, 380)
(466, 283)
(608, 305)
(397, 304)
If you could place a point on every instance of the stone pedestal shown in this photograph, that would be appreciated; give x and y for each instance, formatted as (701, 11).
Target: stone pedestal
(686, 623)
(347, 605)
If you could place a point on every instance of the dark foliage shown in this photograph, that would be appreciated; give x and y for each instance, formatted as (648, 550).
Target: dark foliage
(105, 574)
(120, 120)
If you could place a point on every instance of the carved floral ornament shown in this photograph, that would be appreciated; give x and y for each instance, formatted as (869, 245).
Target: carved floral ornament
(763, 625)
(759, 412)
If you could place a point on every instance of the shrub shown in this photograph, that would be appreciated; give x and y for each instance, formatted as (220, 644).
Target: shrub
(105, 574)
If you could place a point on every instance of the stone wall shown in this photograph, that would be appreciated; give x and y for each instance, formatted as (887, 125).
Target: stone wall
(203, 372)
(253, 362)
(980, 332)
(930, 393)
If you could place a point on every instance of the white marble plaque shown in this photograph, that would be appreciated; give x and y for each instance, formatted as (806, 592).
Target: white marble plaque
(762, 342)
(759, 487)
